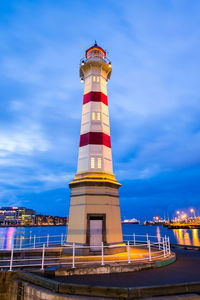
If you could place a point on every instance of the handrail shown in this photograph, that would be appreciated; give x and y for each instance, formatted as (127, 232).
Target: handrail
(84, 60)
(34, 241)
(39, 256)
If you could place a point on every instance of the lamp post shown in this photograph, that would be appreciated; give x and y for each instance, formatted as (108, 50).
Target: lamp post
(193, 211)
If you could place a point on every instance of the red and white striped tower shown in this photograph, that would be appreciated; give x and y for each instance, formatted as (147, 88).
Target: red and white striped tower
(94, 209)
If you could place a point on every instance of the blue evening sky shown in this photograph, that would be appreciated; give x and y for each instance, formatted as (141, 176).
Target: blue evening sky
(153, 94)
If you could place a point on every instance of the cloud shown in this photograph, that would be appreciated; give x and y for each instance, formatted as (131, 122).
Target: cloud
(23, 143)
(153, 93)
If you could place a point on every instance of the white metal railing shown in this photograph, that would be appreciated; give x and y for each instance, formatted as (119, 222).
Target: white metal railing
(84, 59)
(6, 243)
(138, 248)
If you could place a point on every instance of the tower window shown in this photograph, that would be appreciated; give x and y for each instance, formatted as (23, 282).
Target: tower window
(98, 116)
(93, 116)
(97, 78)
(94, 78)
(99, 163)
(92, 162)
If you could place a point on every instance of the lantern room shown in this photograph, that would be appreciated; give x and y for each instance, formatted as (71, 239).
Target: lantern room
(95, 51)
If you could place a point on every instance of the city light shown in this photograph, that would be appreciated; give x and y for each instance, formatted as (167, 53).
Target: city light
(183, 217)
(22, 216)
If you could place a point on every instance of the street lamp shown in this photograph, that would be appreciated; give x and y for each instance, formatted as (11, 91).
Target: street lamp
(193, 211)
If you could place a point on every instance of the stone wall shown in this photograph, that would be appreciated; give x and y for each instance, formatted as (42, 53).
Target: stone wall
(25, 291)
(5, 283)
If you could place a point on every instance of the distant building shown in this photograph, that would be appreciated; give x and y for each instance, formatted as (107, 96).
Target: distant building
(17, 216)
(20, 216)
(50, 220)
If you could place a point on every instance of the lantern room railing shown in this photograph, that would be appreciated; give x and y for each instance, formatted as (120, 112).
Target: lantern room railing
(84, 59)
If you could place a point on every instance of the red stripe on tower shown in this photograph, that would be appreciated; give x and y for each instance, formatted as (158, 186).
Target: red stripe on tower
(95, 138)
(96, 97)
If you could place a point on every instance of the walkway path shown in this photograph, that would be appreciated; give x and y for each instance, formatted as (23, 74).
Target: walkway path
(185, 269)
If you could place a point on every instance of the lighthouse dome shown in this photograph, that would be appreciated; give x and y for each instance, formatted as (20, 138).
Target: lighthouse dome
(95, 51)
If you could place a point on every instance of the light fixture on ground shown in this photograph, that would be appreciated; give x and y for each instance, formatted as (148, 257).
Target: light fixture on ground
(94, 215)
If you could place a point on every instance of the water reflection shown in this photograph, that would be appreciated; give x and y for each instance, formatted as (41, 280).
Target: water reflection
(187, 239)
(158, 234)
(10, 237)
(25, 236)
(7, 235)
(178, 233)
(22, 237)
(195, 237)
(187, 236)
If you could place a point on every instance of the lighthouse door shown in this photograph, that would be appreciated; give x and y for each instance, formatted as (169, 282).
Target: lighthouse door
(95, 232)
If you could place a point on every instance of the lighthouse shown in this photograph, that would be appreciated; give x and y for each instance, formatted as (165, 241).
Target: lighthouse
(94, 215)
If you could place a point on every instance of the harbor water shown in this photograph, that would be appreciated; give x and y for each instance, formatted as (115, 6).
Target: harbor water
(26, 236)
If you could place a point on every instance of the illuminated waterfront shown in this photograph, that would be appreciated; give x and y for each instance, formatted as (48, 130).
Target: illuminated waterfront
(177, 236)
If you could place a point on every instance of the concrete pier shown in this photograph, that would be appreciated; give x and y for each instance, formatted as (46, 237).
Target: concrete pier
(179, 280)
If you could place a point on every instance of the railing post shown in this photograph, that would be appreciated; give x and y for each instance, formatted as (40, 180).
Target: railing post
(158, 238)
(134, 239)
(159, 244)
(11, 259)
(47, 240)
(21, 238)
(102, 254)
(73, 256)
(166, 245)
(129, 258)
(61, 242)
(169, 249)
(149, 246)
(34, 242)
(43, 253)
(147, 239)
(164, 248)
